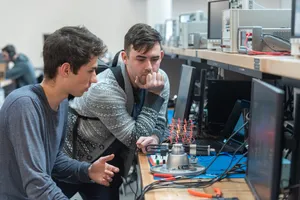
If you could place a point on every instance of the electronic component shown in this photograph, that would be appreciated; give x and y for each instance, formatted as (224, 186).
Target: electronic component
(241, 4)
(187, 28)
(234, 18)
(192, 17)
(197, 41)
(192, 23)
(253, 39)
(191, 149)
(177, 164)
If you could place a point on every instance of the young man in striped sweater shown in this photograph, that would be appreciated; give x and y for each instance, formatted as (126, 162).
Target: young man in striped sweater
(120, 118)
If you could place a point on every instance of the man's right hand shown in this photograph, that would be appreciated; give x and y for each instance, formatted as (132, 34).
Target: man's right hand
(154, 83)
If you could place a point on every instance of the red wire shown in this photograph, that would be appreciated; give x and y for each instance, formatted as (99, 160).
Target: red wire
(252, 52)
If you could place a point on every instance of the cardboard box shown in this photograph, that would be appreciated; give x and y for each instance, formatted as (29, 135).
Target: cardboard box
(2, 71)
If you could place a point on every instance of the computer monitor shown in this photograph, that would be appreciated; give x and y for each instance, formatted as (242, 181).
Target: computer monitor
(295, 18)
(222, 96)
(294, 193)
(185, 92)
(265, 140)
(215, 8)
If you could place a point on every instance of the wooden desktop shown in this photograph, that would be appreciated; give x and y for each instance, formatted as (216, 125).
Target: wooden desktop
(229, 187)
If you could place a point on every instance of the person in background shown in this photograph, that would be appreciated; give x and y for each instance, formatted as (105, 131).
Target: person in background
(33, 121)
(22, 71)
(116, 119)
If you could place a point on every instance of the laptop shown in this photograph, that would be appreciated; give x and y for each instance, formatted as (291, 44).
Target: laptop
(235, 120)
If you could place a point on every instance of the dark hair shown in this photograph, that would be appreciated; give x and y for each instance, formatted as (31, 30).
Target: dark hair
(142, 37)
(71, 44)
(11, 50)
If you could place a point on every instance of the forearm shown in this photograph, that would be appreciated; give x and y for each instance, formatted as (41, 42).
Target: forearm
(161, 129)
(69, 170)
(145, 122)
(114, 115)
(14, 72)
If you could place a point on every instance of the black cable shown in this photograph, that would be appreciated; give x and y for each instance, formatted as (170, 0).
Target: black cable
(226, 172)
(288, 153)
(135, 193)
(220, 151)
(238, 169)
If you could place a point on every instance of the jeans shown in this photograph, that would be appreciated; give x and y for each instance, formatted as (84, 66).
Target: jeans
(92, 191)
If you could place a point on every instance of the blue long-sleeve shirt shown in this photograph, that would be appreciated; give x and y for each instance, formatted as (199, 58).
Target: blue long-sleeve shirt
(31, 138)
(22, 72)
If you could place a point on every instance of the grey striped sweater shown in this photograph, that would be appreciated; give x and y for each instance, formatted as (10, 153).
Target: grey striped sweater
(107, 101)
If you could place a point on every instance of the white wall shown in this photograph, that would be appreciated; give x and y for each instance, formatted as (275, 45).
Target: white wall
(23, 23)
(158, 11)
(286, 3)
(183, 6)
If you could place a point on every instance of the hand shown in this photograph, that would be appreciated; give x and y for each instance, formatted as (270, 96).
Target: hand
(154, 83)
(102, 172)
(145, 141)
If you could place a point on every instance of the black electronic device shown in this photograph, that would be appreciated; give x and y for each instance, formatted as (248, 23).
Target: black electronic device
(222, 96)
(235, 121)
(265, 141)
(185, 92)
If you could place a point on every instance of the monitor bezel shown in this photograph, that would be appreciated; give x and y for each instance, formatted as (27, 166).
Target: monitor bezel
(190, 93)
(275, 187)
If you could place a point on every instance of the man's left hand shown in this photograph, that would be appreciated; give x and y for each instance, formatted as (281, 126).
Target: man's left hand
(102, 172)
(145, 141)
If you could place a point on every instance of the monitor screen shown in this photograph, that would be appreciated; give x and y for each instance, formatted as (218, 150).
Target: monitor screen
(239, 124)
(185, 92)
(296, 18)
(215, 12)
(265, 136)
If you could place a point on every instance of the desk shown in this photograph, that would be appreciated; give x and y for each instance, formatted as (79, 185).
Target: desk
(230, 187)
(285, 66)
